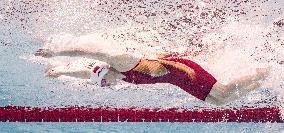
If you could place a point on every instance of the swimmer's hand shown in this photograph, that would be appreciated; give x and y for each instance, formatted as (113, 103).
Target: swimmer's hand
(262, 73)
(164, 55)
(44, 53)
(51, 72)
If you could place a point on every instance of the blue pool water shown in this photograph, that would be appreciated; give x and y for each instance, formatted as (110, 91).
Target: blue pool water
(142, 127)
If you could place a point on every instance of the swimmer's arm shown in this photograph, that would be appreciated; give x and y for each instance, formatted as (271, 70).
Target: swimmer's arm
(83, 74)
(84, 52)
(47, 53)
(117, 61)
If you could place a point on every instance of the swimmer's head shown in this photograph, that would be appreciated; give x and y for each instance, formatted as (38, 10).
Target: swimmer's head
(100, 71)
(98, 74)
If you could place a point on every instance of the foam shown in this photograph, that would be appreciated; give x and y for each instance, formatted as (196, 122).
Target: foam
(228, 38)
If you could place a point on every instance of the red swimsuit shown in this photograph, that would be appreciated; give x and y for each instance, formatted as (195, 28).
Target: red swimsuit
(200, 87)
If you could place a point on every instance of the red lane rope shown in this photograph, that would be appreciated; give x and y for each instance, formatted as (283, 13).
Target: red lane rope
(86, 114)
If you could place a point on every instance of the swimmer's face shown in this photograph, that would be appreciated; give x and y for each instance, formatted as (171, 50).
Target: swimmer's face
(100, 71)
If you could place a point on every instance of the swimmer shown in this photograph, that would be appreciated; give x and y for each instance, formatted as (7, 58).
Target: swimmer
(178, 71)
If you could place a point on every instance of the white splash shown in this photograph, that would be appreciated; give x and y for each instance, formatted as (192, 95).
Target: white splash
(228, 38)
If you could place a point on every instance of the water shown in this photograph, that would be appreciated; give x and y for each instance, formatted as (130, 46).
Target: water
(228, 38)
(143, 127)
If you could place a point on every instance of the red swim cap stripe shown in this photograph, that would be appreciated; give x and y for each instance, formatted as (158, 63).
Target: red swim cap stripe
(96, 69)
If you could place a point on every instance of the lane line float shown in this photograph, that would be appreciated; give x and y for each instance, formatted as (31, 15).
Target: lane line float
(88, 114)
